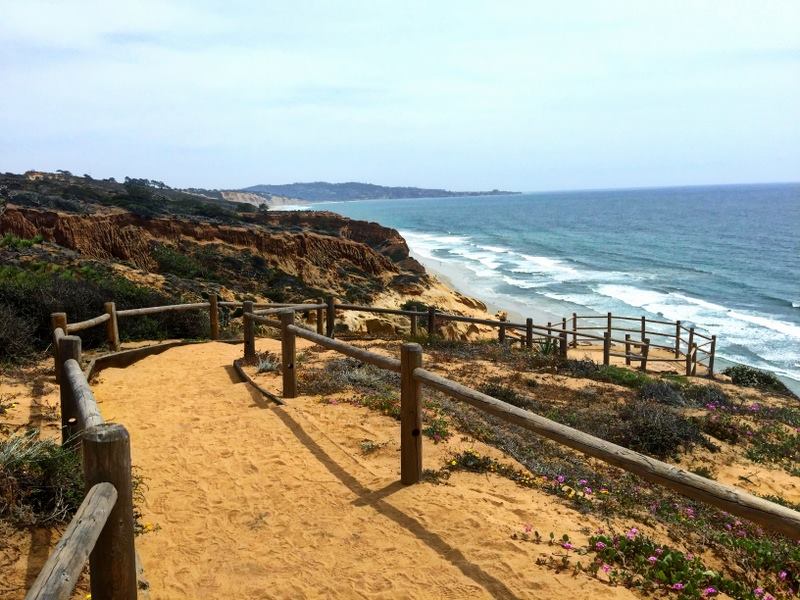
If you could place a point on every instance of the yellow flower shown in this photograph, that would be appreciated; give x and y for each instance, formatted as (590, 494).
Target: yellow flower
(453, 462)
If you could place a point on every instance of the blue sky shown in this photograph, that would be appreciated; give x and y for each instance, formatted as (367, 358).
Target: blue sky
(462, 95)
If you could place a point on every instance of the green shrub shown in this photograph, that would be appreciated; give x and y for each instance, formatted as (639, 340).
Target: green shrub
(661, 392)
(655, 430)
(40, 481)
(16, 332)
(30, 295)
(755, 378)
(704, 395)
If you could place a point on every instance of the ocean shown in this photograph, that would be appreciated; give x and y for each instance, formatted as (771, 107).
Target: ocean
(724, 258)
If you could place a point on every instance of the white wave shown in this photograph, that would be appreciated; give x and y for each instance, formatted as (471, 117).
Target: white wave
(780, 326)
(795, 304)
(289, 207)
(521, 283)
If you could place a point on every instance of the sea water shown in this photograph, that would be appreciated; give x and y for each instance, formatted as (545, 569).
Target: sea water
(725, 259)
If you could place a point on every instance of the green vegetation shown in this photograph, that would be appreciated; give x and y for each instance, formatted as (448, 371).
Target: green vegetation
(755, 378)
(40, 480)
(12, 242)
(29, 294)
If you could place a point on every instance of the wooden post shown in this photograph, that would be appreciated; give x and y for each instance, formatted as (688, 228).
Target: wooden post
(288, 354)
(575, 330)
(529, 333)
(606, 348)
(644, 327)
(564, 324)
(694, 359)
(57, 320)
(608, 325)
(628, 349)
(112, 563)
(549, 330)
(711, 354)
(501, 331)
(68, 347)
(414, 326)
(677, 339)
(562, 344)
(645, 352)
(410, 415)
(213, 315)
(320, 316)
(689, 345)
(331, 316)
(112, 327)
(249, 331)
(431, 321)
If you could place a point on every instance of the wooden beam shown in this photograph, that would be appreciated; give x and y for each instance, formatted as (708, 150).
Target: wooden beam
(736, 501)
(288, 354)
(61, 572)
(112, 563)
(112, 326)
(213, 315)
(410, 415)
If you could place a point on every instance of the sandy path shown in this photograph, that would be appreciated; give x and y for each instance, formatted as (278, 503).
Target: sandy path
(254, 501)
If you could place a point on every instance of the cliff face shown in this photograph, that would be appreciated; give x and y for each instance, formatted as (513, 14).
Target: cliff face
(313, 248)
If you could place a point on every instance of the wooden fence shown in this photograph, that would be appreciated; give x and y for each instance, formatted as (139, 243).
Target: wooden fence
(612, 334)
(413, 376)
(102, 528)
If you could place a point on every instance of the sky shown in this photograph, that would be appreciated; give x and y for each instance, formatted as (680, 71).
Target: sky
(461, 95)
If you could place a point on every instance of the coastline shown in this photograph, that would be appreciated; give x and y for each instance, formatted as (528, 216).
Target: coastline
(458, 281)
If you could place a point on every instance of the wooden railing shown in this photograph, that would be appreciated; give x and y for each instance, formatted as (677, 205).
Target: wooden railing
(102, 529)
(413, 376)
(569, 334)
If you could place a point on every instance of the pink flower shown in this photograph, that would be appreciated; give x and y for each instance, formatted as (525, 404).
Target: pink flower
(631, 533)
(561, 479)
(605, 568)
(659, 551)
(652, 560)
(758, 592)
(582, 482)
(528, 528)
(567, 546)
(710, 591)
(678, 586)
(587, 490)
(599, 546)
(782, 575)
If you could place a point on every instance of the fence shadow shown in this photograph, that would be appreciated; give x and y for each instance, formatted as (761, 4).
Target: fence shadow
(377, 499)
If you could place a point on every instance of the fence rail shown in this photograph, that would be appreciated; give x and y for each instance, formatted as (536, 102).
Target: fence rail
(728, 498)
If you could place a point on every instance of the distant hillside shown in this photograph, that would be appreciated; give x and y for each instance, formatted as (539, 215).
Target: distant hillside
(322, 191)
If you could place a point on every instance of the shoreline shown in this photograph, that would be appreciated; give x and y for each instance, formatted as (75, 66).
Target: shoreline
(453, 278)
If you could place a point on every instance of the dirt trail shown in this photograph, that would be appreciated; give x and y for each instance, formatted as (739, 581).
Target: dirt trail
(249, 500)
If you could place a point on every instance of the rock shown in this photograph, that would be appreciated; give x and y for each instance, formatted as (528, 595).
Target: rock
(470, 302)
(379, 327)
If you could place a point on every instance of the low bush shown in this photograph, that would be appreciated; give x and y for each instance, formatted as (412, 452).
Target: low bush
(40, 481)
(706, 395)
(661, 392)
(655, 430)
(16, 331)
(749, 377)
(29, 295)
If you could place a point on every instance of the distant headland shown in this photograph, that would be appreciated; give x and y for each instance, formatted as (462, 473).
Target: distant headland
(323, 191)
